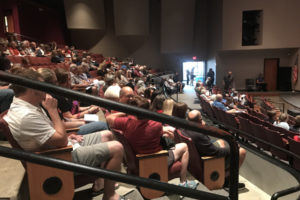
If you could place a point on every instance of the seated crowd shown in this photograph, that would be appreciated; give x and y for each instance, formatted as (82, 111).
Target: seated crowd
(39, 120)
(49, 115)
(234, 102)
(240, 108)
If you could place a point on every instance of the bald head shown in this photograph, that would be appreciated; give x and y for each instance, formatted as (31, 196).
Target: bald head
(126, 93)
(194, 116)
(219, 97)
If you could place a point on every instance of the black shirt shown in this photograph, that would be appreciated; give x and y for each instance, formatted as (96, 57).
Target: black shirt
(204, 145)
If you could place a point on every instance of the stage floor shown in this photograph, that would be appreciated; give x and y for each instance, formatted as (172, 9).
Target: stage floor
(292, 98)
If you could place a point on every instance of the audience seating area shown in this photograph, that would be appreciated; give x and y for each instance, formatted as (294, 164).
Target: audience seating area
(249, 126)
(254, 128)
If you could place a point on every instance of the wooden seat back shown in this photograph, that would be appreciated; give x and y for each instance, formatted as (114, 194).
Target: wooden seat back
(208, 170)
(148, 165)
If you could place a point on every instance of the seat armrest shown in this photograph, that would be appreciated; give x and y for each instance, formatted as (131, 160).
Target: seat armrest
(151, 155)
(210, 157)
(55, 151)
(70, 130)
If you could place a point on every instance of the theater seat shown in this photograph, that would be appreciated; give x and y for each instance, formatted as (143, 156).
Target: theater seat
(295, 148)
(153, 166)
(49, 183)
(278, 140)
(208, 170)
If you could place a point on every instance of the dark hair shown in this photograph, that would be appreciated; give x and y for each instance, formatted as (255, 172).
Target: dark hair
(148, 93)
(139, 101)
(26, 73)
(47, 74)
(271, 114)
(157, 103)
(154, 94)
(62, 75)
(180, 109)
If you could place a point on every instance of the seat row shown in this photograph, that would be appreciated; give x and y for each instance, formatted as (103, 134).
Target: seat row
(33, 60)
(254, 129)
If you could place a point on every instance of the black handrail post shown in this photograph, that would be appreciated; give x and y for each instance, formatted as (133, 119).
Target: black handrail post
(234, 171)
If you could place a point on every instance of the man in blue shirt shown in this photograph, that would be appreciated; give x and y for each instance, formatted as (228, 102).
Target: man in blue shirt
(218, 103)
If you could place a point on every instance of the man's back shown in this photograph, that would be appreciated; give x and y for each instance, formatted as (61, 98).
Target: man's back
(204, 145)
(29, 125)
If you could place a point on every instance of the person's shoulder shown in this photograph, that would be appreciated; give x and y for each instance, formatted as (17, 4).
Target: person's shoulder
(153, 123)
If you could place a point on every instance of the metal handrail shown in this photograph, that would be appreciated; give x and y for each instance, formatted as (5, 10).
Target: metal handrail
(116, 176)
(164, 89)
(174, 121)
(297, 176)
(285, 192)
(260, 140)
(286, 167)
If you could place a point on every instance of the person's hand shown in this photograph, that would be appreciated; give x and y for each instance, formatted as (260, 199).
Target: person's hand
(49, 103)
(78, 138)
(168, 131)
(94, 109)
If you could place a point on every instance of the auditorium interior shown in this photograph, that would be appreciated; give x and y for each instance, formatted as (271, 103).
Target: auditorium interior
(258, 41)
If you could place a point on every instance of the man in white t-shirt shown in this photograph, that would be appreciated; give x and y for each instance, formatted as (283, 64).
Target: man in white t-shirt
(34, 131)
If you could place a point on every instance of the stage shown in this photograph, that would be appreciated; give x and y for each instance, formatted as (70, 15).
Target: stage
(285, 100)
(292, 98)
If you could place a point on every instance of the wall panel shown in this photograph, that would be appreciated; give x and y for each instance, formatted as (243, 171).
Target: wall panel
(85, 14)
(177, 26)
(131, 17)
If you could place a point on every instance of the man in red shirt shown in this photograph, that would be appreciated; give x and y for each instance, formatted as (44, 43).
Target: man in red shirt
(144, 137)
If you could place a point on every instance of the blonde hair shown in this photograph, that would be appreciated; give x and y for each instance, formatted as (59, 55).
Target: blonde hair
(168, 106)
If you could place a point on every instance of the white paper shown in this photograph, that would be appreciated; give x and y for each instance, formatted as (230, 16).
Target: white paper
(91, 118)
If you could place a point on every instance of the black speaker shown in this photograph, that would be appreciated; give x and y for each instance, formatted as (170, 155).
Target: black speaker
(284, 79)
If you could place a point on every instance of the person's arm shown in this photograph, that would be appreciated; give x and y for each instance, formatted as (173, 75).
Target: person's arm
(60, 137)
(231, 111)
(111, 118)
(74, 124)
(168, 131)
(11, 52)
(79, 115)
